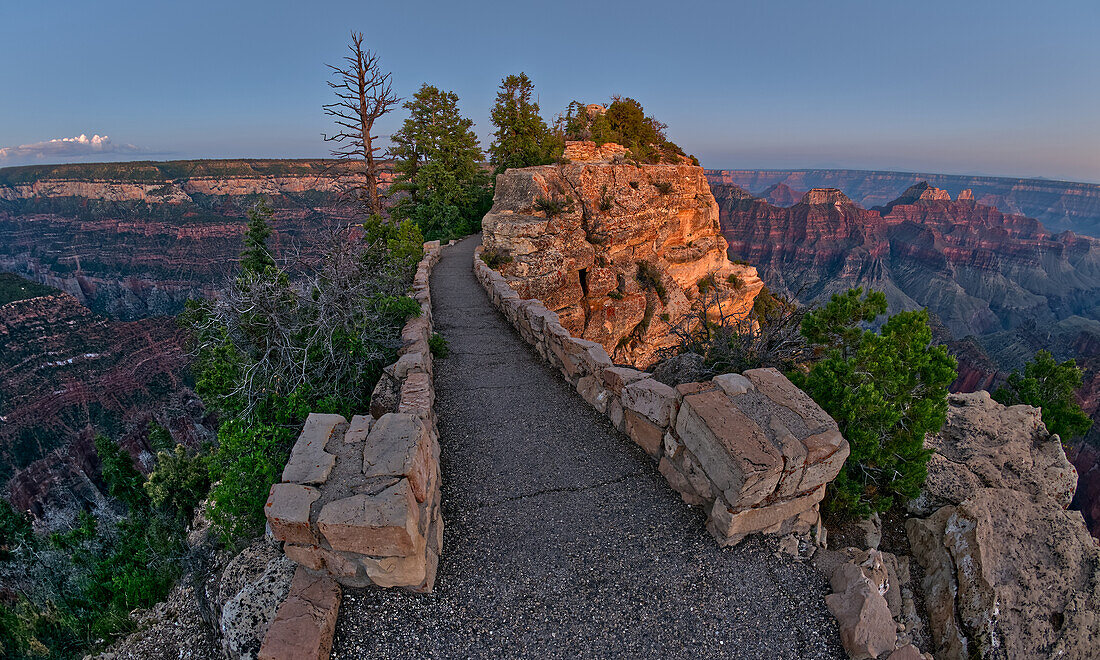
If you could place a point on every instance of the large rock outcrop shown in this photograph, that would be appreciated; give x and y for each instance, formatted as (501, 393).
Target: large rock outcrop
(617, 250)
(1009, 572)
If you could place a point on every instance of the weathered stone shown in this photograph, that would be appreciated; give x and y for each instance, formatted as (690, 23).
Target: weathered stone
(409, 570)
(318, 558)
(735, 453)
(411, 363)
(616, 378)
(907, 652)
(287, 512)
(306, 621)
(358, 429)
(733, 384)
(399, 446)
(309, 463)
(866, 628)
(794, 458)
(645, 433)
(386, 395)
(417, 395)
(987, 445)
(250, 605)
(730, 526)
(597, 397)
(825, 456)
(656, 401)
(415, 334)
(776, 387)
(1009, 574)
(385, 524)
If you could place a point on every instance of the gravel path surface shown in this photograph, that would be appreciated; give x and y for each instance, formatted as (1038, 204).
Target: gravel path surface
(562, 540)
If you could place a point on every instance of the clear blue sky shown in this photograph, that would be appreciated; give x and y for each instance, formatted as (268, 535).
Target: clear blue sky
(992, 87)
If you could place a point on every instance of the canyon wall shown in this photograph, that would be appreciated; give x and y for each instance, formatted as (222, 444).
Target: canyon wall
(1060, 205)
(617, 250)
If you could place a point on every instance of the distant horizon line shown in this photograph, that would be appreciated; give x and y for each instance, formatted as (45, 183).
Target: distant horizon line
(705, 167)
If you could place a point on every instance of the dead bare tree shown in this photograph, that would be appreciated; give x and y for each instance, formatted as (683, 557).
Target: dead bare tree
(364, 95)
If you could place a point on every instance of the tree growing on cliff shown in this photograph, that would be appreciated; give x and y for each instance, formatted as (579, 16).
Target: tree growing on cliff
(885, 389)
(438, 167)
(623, 122)
(255, 258)
(522, 138)
(1050, 386)
(364, 94)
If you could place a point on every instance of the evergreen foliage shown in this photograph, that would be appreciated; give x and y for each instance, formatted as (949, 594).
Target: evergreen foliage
(886, 390)
(1051, 386)
(446, 192)
(625, 123)
(522, 138)
(255, 258)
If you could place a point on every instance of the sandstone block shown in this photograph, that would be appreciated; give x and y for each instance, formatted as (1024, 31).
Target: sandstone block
(399, 446)
(358, 429)
(825, 456)
(644, 433)
(590, 390)
(417, 395)
(415, 334)
(735, 453)
(866, 628)
(317, 558)
(385, 524)
(309, 463)
(305, 622)
(776, 387)
(411, 363)
(616, 378)
(733, 384)
(409, 570)
(654, 400)
(386, 395)
(729, 526)
(287, 512)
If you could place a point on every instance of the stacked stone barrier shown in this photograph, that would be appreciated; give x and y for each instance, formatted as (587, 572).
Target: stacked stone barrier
(752, 448)
(358, 502)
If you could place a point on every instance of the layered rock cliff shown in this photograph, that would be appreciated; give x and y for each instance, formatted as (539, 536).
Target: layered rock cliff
(65, 374)
(132, 240)
(618, 250)
(1060, 205)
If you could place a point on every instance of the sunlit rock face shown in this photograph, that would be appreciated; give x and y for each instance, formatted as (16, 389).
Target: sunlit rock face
(618, 250)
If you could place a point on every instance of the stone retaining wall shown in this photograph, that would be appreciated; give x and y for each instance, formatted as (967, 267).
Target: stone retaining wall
(359, 499)
(752, 448)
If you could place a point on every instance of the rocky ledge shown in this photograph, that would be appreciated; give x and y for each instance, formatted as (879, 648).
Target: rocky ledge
(617, 250)
(1009, 572)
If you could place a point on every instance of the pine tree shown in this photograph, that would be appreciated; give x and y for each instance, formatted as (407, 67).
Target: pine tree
(1051, 386)
(438, 166)
(886, 390)
(522, 138)
(255, 257)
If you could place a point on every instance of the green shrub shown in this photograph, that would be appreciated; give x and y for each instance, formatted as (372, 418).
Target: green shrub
(495, 258)
(553, 206)
(735, 281)
(650, 277)
(179, 482)
(1052, 387)
(438, 345)
(663, 187)
(634, 185)
(886, 390)
(606, 199)
(616, 294)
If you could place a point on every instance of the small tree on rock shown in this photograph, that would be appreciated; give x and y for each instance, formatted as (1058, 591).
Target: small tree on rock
(255, 258)
(522, 138)
(1049, 385)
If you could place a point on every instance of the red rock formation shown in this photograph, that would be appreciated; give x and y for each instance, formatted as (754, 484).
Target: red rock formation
(780, 194)
(1059, 205)
(66, 374)
(617, 250)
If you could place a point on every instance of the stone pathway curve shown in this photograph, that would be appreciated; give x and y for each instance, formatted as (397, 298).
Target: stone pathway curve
(562, 540)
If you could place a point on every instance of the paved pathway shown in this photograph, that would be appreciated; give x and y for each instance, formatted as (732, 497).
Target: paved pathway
(562, 540)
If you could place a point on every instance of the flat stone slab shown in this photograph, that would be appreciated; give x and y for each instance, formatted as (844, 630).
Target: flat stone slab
(309, 463)
(383, 525)
(287, 511)
(305, 622)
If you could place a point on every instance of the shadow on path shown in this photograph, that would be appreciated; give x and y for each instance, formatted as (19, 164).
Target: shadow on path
(562, 540)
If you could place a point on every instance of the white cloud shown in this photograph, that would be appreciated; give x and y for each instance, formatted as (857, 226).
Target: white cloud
(80, 147)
